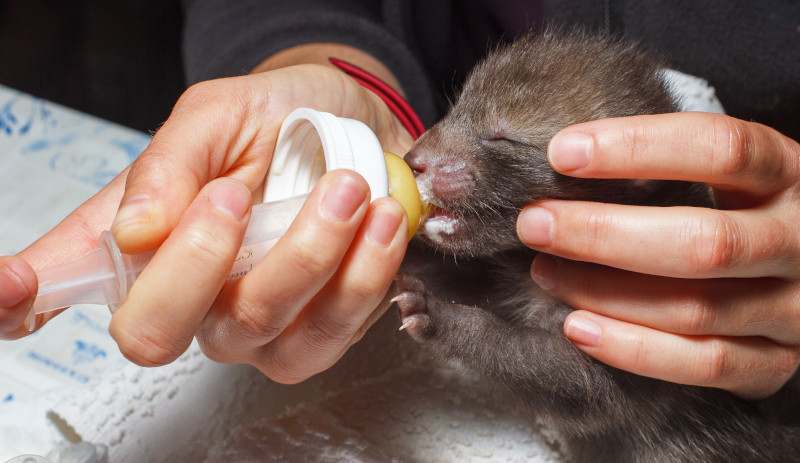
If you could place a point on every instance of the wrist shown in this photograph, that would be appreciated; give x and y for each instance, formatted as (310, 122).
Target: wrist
(319, 53)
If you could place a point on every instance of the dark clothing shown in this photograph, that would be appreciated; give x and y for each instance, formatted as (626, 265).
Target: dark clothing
(749, 51)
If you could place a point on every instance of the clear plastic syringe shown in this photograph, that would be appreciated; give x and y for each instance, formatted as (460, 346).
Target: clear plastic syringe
(309, 143)
(104, 275)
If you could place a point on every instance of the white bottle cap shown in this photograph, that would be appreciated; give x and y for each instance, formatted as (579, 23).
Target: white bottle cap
(313, 142)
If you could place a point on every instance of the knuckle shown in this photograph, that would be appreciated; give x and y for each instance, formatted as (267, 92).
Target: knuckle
(147, 346)
(639, 355)
(716, 240)
(235, 94)
(312, 261)
(215, 341)
(283, 369)
(367, 291)
(324, 333)
(211, 349)
(255, 322)
(152, 163)
(206, 246)
(699, 317)
(198, 93)
(218, 99)
(791, 164)
(631, 138)
(789, 241)
(788, 362)
(596, 228)
(739, 154)
(158, 165)
(715, 366)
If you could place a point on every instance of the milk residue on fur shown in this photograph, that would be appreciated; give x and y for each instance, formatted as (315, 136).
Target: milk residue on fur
(438, 225)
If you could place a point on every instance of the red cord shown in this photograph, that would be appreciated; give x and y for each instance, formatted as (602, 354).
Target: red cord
(396, 110)
(396, 103)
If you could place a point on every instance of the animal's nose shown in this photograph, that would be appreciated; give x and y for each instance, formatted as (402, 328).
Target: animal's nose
(416, 161)
(446, 175)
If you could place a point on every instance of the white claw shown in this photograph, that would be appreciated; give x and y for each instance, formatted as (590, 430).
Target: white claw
(398, 298)
(406, 324)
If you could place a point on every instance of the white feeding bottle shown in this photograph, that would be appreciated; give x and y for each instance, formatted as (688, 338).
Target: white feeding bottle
(310, 143)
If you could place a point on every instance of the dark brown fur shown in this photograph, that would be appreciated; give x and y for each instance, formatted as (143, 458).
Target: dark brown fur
(479, 166)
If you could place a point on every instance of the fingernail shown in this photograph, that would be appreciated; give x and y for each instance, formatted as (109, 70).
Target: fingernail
(133, 209)
(581, 330)
(543, 272)
(343, 198)
(535, 226)
(383, 226)
(14, 290)
(570, 151)
(231, 197)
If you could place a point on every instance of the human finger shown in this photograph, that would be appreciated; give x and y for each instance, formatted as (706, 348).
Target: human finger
(166, 304)
(18, 285)
(729, 307)
(682, 242)
(255, 309)
(213, 131)
(721, 151)
(341, 312)
(750, 367)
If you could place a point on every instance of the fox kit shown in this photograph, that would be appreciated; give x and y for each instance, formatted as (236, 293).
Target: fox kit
(478, 167)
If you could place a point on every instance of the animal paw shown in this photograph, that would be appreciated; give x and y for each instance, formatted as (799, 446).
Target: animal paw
(413, 304)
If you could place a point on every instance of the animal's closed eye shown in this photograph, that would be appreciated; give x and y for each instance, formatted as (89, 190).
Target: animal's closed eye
(499, 136)
(499, 140)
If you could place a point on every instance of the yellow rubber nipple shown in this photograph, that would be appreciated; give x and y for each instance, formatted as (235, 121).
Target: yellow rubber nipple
(403, 188)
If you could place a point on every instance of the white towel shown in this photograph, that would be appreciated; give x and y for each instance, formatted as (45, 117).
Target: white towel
(383, 399)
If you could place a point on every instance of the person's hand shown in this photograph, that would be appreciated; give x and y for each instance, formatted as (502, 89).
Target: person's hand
(18, 286)
(689, 295)
(190, 192)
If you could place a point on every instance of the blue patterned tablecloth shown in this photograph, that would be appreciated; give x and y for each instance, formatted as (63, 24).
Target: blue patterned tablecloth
(52, 159)
(79, 146)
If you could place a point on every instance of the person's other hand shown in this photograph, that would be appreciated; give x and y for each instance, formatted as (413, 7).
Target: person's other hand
(190, 192)
(689, 295)
(18, 286)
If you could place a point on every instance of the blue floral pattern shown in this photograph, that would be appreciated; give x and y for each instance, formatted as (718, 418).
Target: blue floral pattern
(83, 147)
